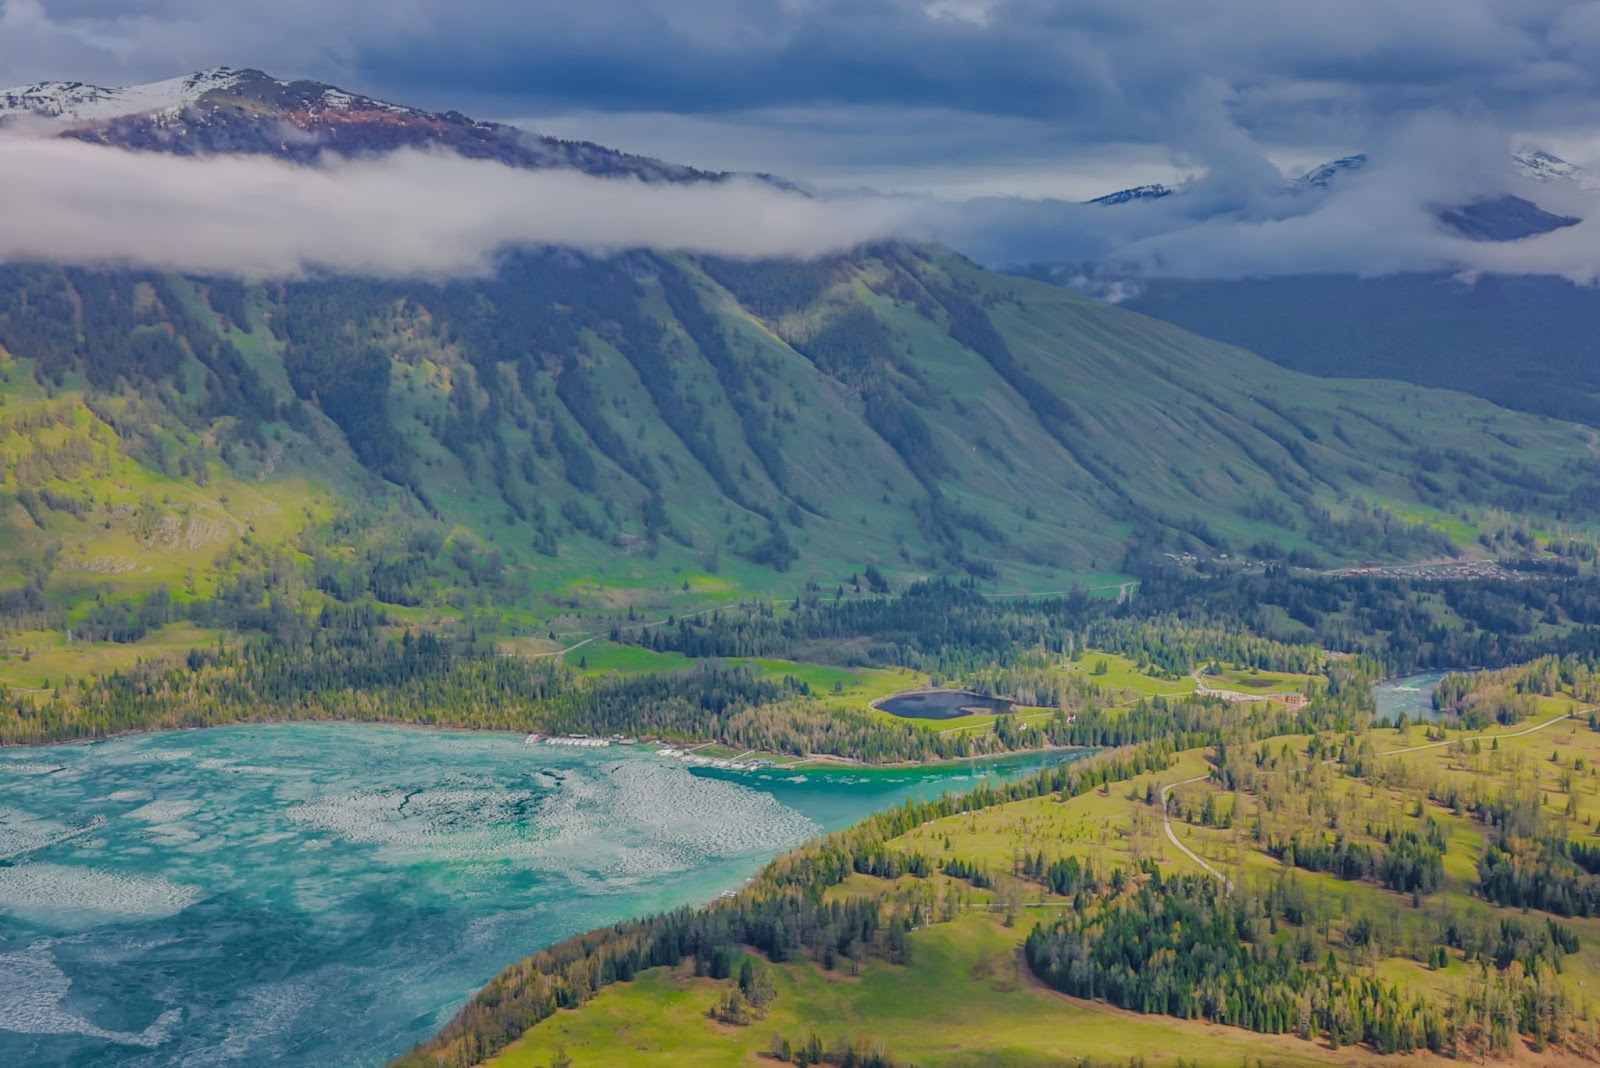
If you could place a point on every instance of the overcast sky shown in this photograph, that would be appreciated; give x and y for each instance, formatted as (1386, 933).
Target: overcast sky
(986, 119)
(959, 97)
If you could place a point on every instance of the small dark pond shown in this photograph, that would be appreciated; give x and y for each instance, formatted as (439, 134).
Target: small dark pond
(942, 704)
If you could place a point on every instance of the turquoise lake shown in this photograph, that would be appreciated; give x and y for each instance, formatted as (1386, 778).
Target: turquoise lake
(328, 894)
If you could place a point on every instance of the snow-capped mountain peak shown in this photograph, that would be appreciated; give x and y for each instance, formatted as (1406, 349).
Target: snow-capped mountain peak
(80, 102)
(1155, 191)
(1543, 167)
(241, 112)
(1322, 174)
(1529, 162)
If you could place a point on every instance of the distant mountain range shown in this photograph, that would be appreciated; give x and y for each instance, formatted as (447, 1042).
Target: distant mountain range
(579, 424)
(1523, 342)
(1505, 217)
(1529, 162)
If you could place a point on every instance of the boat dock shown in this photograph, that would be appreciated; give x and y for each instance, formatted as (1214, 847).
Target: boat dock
(579, 740)
(738, 763)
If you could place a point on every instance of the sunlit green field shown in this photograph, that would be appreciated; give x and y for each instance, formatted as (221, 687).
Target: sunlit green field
(965, 1002)
(1114, 672)
(853, 686)
(1254, 680)
(32, 660)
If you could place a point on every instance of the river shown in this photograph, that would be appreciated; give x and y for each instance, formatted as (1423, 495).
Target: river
(329, 894)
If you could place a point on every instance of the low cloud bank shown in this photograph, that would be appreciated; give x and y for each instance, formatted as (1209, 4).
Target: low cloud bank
(1241, 219)
(416, 214)
(409, 214)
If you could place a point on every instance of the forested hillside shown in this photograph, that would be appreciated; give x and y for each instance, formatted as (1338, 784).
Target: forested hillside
(1334, 892)
(642, 420)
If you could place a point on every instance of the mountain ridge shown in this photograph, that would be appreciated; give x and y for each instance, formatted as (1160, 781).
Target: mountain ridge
(74, 102)
(224, 111)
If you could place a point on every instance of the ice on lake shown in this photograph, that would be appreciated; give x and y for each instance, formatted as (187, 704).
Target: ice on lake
(329, 894)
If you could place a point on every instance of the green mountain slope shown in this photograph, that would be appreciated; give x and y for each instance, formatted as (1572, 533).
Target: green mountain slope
(574, 428)
(1521, 342)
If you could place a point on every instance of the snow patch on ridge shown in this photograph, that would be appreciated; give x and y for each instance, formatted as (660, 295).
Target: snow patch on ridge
(1318, 177)
(66, 103)
(1541, 166)
(80, 102)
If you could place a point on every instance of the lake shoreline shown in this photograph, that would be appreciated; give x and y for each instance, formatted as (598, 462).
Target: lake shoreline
(796, 762)
(904, 765)
(280, 833)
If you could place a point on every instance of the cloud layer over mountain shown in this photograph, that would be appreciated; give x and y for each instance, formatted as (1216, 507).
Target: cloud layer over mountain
(1243, 218)
(429, 214)
(1014, 101)
(408, 214)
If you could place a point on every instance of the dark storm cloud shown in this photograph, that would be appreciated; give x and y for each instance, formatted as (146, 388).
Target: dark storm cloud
(1105, 67)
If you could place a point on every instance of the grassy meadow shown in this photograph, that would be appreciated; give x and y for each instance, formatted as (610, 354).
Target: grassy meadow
(966, 1001)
